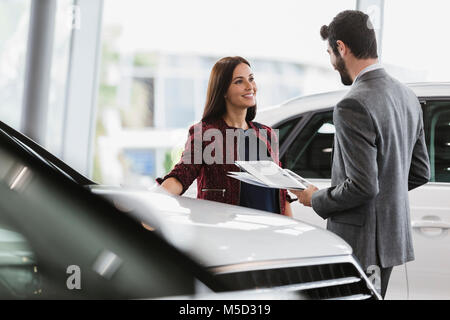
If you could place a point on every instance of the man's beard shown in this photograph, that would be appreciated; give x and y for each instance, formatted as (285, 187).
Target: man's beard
(342, 69)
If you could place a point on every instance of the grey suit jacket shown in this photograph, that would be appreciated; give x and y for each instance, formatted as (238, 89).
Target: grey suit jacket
(379, 154)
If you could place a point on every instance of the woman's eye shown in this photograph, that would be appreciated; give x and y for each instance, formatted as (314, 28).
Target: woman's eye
(251, 79)
(238, 82)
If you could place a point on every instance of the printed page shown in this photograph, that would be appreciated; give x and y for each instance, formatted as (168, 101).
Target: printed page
(247, 178)
(270, 174)
(302, 180)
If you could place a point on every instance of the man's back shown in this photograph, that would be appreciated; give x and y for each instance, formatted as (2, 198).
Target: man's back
(397, 118)
(379, 151)
(379, 135)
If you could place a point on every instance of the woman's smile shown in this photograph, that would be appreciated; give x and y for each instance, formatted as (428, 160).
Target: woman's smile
(249, 95)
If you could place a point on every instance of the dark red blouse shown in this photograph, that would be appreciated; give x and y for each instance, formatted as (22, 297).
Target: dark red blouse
(212, 180)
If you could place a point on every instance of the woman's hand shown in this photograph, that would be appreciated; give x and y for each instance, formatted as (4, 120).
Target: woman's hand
(288, 210)
(173, 186)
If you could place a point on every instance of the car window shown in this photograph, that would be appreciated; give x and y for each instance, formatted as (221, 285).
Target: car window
(436, 117)
(285, 128)
(50, 226)
(310, 153)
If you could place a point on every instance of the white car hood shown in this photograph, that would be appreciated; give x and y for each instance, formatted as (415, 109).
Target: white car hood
(217, 234)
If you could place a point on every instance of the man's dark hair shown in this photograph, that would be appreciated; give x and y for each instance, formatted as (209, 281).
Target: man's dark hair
(354, 29)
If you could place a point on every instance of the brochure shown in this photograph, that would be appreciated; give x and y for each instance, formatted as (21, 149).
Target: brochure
(269, 175)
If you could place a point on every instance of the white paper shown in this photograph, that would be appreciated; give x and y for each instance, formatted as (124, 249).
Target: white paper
(247, 178)
(296, 176)
(268, 174)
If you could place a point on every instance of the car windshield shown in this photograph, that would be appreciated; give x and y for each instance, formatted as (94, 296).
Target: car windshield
(43, 155)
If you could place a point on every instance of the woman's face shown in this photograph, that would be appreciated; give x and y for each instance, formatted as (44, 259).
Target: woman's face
(242, 90)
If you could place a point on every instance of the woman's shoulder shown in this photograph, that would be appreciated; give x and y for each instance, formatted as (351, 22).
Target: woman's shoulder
(261, 126)
(204, 125)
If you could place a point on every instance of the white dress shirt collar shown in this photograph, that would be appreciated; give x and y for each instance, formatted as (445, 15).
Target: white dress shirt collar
(372, 67)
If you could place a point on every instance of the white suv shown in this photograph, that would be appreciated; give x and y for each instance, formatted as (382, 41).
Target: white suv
(306, 140)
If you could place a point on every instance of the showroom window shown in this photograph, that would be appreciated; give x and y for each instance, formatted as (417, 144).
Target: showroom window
(140, 162)
(140, 112)
(58, 77)
(436, 115)
(179, 102)
(176, 45)
(414, 48)
(15, 17)
(310, 153)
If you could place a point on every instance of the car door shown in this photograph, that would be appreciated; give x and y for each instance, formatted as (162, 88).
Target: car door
(429, 273)
(308, 151)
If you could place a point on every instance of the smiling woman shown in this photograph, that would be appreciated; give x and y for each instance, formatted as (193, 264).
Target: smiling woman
(230, 108)
(231, 92)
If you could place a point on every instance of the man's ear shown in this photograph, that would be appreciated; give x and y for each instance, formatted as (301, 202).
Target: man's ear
(342, 48)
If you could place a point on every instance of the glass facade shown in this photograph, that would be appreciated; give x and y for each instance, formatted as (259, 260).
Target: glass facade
(156, 57)
(15, 16)
(156, 61)
(414, 45)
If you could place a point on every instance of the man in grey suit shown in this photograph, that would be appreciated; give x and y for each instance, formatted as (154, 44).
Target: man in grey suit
(379, 152)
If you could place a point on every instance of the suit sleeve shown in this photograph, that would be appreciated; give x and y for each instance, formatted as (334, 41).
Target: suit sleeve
(190, 164)
(356, 136)
(419, 172)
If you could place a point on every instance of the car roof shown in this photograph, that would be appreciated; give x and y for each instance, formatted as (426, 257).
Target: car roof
(290, 108)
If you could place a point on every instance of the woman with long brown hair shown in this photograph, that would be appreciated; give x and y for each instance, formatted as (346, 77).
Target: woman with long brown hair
(230, 109)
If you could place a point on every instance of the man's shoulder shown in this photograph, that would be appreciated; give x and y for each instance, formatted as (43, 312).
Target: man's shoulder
(377, 90)
(350, 100)
(362, 91)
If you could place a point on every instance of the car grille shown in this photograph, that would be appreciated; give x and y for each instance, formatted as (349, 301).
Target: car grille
(339, 281)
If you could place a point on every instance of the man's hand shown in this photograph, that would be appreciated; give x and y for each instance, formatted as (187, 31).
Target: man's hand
(304, 197)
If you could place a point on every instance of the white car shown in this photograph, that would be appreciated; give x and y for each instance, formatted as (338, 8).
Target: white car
(60, 239)
(249, 249)
(306, 138)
